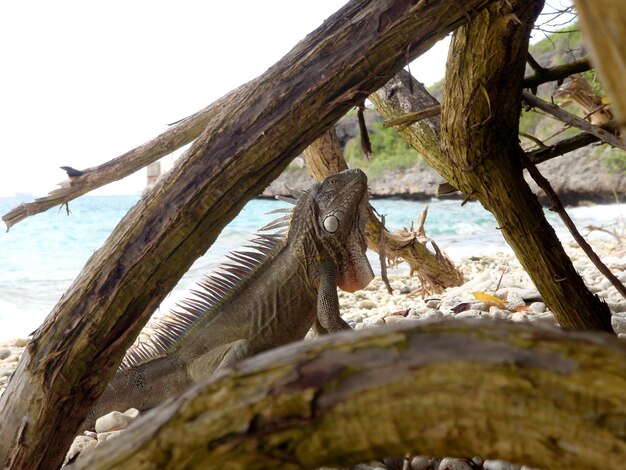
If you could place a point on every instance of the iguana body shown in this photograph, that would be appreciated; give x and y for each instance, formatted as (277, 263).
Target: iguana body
(265, 299)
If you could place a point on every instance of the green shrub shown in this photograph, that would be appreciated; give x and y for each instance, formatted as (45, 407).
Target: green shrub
(389, 151)
(614, 161)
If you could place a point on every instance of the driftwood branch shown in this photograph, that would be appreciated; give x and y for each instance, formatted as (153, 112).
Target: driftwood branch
(247, 145)
(568, 118)
(179, 135)
(569, 223)
(558, 73)
(540, 396)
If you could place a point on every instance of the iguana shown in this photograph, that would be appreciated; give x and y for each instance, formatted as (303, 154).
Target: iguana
(264, 299)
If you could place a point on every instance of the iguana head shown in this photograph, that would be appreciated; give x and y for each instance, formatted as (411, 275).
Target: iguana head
(338, 207)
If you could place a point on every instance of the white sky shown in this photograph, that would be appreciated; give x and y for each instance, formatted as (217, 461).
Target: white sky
(82, 82)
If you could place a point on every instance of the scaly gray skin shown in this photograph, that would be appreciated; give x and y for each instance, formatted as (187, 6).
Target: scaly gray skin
(260, 302)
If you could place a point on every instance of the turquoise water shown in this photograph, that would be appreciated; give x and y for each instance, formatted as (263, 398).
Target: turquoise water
(41, 256)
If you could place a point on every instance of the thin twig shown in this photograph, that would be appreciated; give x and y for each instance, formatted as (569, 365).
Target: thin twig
(382, 256)
(562, 115)
(561, 147)
(410, 118)
(536, 66)
(558, 207)
(534, 139)
(557, 74)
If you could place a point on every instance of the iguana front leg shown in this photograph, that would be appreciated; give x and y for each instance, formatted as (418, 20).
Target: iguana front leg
(328, 318)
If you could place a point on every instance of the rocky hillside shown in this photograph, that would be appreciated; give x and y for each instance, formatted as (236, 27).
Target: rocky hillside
(591, 174)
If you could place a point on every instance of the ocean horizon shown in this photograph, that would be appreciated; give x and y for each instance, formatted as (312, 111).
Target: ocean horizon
(42, 255)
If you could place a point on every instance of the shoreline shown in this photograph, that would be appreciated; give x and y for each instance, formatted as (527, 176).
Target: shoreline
(515, 299)
(498, 274)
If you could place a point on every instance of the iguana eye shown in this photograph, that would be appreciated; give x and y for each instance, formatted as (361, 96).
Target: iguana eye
(331, 224)
(332, 181)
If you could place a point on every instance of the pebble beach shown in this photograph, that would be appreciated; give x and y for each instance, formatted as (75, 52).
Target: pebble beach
(509, 294)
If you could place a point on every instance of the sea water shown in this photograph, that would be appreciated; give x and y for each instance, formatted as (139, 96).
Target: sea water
(42, 255)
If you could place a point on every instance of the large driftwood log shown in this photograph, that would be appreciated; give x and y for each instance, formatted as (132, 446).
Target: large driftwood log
(436, 271)
(535, 395)
(480, 156)
(603, 23)
(251, 140)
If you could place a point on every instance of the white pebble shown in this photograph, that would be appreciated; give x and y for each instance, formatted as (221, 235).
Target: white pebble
(617, 307)
(367, 304)
(595, 289)
(20, 342)
(537, 307)
(454, 464)
(420, 462)
(471, 313)
(80, 444)
(432, 314)
(113, 421)
(393, 319)
(500, 465)
(105, 436)
(433, 303)
(4, 353)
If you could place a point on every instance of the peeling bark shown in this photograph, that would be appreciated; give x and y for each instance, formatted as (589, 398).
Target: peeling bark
(538, 396)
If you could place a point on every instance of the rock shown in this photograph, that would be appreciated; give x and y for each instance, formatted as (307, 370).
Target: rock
(419, 462)
(537, 307)
(619, 323)
(433, 303)
(80, 444)
(432, 314)
(616, 307)
(455, 464)
(393, 319)
(367, 304)
(21, 342)
(4, 353)
(482, 306)
(115, 420)
(105, 436)
(500, 465)
(471, 313)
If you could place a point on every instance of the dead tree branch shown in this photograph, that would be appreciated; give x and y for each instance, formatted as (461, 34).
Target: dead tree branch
(558, 74)
(569, 223)
(322, 403)
(562, 147)
(175, 137)
(568, 118)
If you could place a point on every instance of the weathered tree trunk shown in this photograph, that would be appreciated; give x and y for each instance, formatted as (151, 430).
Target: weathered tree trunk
(480, 152)
(250, 141)
(435, 270)
(535, 395)
(603, 23)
